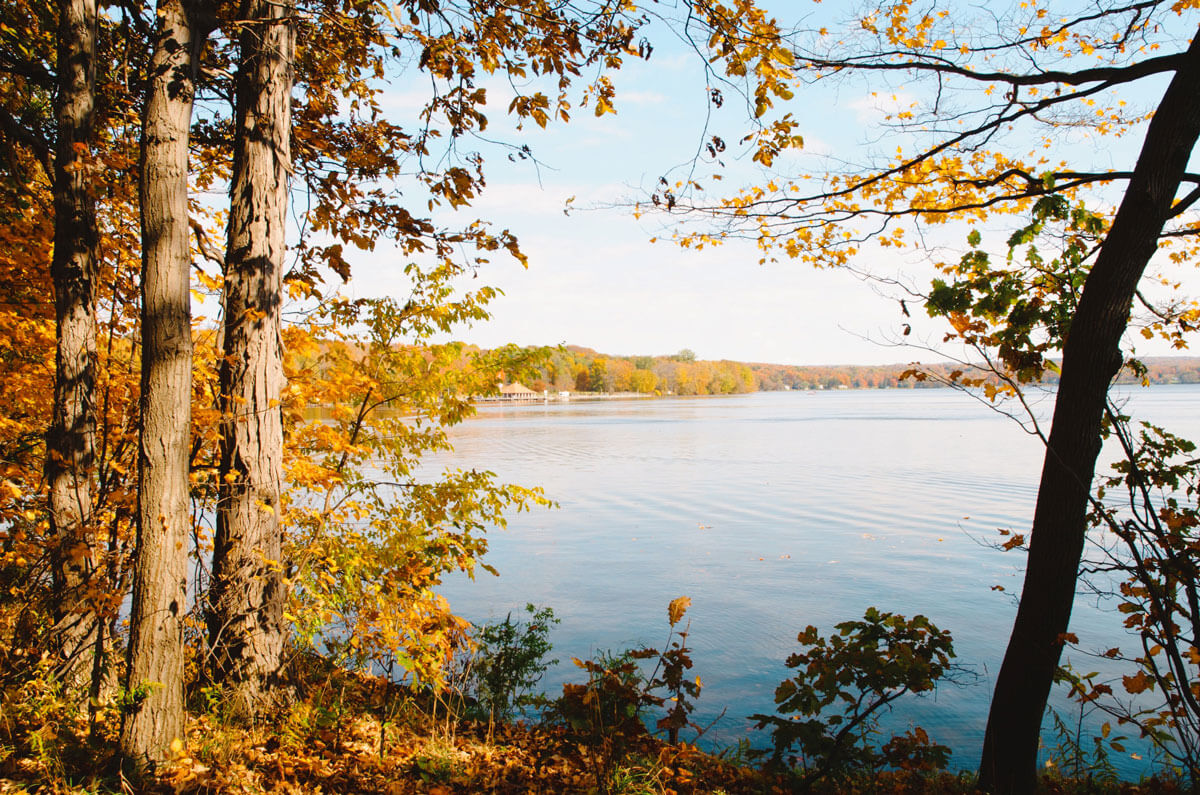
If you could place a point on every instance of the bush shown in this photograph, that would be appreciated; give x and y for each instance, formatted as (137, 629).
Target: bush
(829, 710)
(606, 714)
(510, 660)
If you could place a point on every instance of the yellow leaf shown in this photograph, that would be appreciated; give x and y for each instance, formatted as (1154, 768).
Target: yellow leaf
(677, 608)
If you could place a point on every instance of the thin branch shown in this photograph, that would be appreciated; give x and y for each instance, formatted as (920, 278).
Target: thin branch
(28, 138)
(1013, 112)
(1183, 204)
(204, 244)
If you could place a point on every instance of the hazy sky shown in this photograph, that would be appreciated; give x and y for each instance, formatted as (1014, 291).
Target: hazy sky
(596, 279)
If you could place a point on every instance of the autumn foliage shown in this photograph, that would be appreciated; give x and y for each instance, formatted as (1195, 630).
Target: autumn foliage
(123, 119)
(123, 434)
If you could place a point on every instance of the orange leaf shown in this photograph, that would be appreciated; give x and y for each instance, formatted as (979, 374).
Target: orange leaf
(677, 608)
(1137, 684)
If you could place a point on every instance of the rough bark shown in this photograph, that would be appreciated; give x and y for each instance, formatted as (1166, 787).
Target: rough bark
(155, 670)
(71, 441)
(246, 625)
(1091, 357)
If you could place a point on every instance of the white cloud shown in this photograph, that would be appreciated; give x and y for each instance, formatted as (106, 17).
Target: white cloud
(871, 108)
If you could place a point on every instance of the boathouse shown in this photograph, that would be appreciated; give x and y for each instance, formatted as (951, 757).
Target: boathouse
(517, 391)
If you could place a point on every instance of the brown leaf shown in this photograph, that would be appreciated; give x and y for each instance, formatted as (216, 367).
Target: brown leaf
(1137, 684)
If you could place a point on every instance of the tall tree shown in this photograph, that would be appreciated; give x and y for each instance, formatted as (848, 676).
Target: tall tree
(967, 162)
(71, 441)
(348, 156)
(1091, 358)
(246, 626)
(154, 677)
(68, 122)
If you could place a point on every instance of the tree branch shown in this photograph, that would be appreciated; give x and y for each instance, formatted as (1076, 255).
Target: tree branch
(204, 244)
(31, 140)
(1008, 116)
(1183, 204)
(1106, 74)
(32, 71)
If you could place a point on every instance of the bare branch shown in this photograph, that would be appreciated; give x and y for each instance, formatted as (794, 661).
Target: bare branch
(28, 138)
(1112, 75)
(204, 244)
(1183, 204)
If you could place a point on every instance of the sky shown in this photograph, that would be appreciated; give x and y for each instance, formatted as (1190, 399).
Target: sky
(600, 277)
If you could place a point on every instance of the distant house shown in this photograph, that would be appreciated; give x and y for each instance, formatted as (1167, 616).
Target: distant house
(517, 391)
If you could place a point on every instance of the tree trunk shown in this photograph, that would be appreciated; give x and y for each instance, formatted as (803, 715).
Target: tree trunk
(155, 671)
(1091, 357)
(71, 441)
(246, 626)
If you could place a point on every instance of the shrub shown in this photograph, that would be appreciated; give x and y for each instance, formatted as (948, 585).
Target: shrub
(510, 660)
(606, 715)
(829, 710)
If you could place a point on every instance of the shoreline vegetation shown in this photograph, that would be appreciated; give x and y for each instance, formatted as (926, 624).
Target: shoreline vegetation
(576, 372)
(623, 729)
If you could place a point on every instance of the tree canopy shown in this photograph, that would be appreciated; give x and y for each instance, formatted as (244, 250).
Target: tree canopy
(302, 439)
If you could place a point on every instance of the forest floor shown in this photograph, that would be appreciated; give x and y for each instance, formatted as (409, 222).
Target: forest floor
(357, 734)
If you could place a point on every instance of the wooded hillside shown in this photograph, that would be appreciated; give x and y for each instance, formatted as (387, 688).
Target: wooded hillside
(577, 369)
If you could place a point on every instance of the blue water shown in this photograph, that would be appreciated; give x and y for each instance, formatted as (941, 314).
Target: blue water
(774, 511)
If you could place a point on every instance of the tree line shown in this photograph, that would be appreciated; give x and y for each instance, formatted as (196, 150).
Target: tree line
(577, 369)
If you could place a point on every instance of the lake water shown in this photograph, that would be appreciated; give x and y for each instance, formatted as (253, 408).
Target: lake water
(773, 511)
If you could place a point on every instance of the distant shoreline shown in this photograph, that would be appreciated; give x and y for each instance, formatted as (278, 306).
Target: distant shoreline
(582, 371)
(576, 397)
(565, 397)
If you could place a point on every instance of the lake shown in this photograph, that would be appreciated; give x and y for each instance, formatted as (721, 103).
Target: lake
(773, 511)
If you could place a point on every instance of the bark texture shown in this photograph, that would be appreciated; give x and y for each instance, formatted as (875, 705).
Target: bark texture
(246, 626)
(1091, 357)
(71, 441)
(155, 671)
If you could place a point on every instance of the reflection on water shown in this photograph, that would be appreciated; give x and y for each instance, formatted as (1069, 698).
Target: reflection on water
(772, 511)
